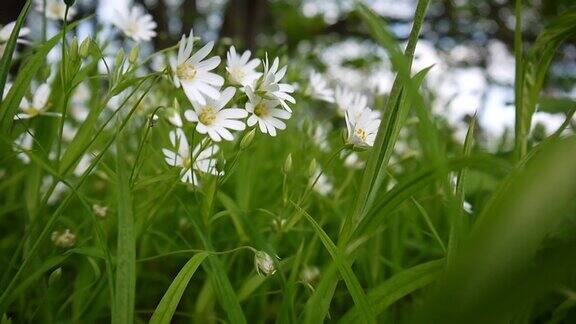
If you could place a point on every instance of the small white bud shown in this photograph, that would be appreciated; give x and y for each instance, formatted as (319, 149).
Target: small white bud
(100, 211)
(264, 263)
(63, 240)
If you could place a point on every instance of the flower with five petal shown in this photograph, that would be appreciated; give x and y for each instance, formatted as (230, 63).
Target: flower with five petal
(264, 112)
(192, 72)
(202, 158)
(362, 127)
(215, 120)
(241, 70)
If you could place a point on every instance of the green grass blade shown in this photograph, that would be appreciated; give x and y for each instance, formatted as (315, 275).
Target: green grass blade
(10, 47)
(399, 286)
(167, 306)
(125, 290)
(344, 268)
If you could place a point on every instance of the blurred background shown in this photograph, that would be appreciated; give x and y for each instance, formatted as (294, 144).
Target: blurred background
(469, 42)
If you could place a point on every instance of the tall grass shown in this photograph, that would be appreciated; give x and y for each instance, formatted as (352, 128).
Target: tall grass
(396, 233)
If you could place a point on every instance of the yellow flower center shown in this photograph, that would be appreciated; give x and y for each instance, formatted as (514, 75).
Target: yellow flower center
(261, 110)
(131, 29)
(361, 134)
(237, 74)
(32, 112)
(187, 163)
(186, 71)
(207, 116)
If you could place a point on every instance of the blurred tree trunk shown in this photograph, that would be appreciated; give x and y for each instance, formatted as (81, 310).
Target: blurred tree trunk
(243, 20)
(188, 14)
(9, 11)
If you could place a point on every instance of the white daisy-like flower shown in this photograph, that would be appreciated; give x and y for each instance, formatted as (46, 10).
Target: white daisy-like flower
(264, 112)
(241, 70)
(135, 23)
(318, 87)
(38, 106)
(5, 33)
(215, 120)
(346, 100)
(23, 144)
(269, 84)
(204, 160)
(55, 9)
(192, 72)
(323, 186)
(362, 128)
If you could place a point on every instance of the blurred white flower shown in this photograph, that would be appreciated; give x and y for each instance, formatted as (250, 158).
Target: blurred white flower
(24, 143)
(65, 239)
(84, 164)
(346, 100)
(38, 105)
(318, 87)
(320, 137)
(100, 211)
(193, 72)
(269, 85)
(5, 33)
(55, 9)
(264, 112)
(362, 127)
(241, 70)
(57, 192)
(310, 274)
(204, 160)
(323, 186)
(352, 161)
(134, 23)
(214, 119)
(79, 106)
(263, 262)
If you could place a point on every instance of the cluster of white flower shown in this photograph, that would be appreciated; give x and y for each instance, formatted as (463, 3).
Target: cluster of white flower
(214, 110)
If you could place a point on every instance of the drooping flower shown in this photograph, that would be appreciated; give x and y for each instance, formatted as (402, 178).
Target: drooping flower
(264, 263)
(5, 33)
(215, 120)
(134, 23)
(346, 100)
(192, 72)
(241, 70)
(264, 112)
(362, 128)
(202, 154)
(270, 87)
(318, 87)
(55, 9)
(38, 106)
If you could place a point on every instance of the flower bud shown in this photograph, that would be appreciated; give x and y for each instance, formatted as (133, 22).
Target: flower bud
(69, 3)
(312, 168)
(85, 47)
(63, 240)
(247, 139)
(287, 164)
(134, 54)
(73, 49)
(264, 263)
(310, 274)
(100, 211)
(119, 58)
(55, 276)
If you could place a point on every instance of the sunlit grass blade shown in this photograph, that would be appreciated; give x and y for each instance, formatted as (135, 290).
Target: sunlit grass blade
(167, 306)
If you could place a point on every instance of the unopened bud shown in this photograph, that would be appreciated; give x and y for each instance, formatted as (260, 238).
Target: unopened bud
(134, 54)
(247, 139)
(55, 276)
(119, 58)
(69, 3)
(100, 211)
(63, 240)
(287, 164)
(85, 47)
(264, 263)
(312, 168)
(73, 50)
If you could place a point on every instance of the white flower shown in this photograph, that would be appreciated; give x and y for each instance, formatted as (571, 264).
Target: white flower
(24, 143)
(362, 127)
(193, 72)
(214, 119)
(320, 137)
(241, 69)
(263, 262)
(322, 185)
(38, 105)
(79, 109)
(352, 161)
(5, 33)
(100, 211)
(66, 239)
(318, 87)
(310, 274)
(264, 112)
(348, 100)
(270, 87)
(55, 9)
(134, 23)
(204, 160)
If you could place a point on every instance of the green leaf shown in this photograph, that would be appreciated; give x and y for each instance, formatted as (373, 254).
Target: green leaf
(399, 286)
(344, 268)
(167, 306)
(9, 48)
